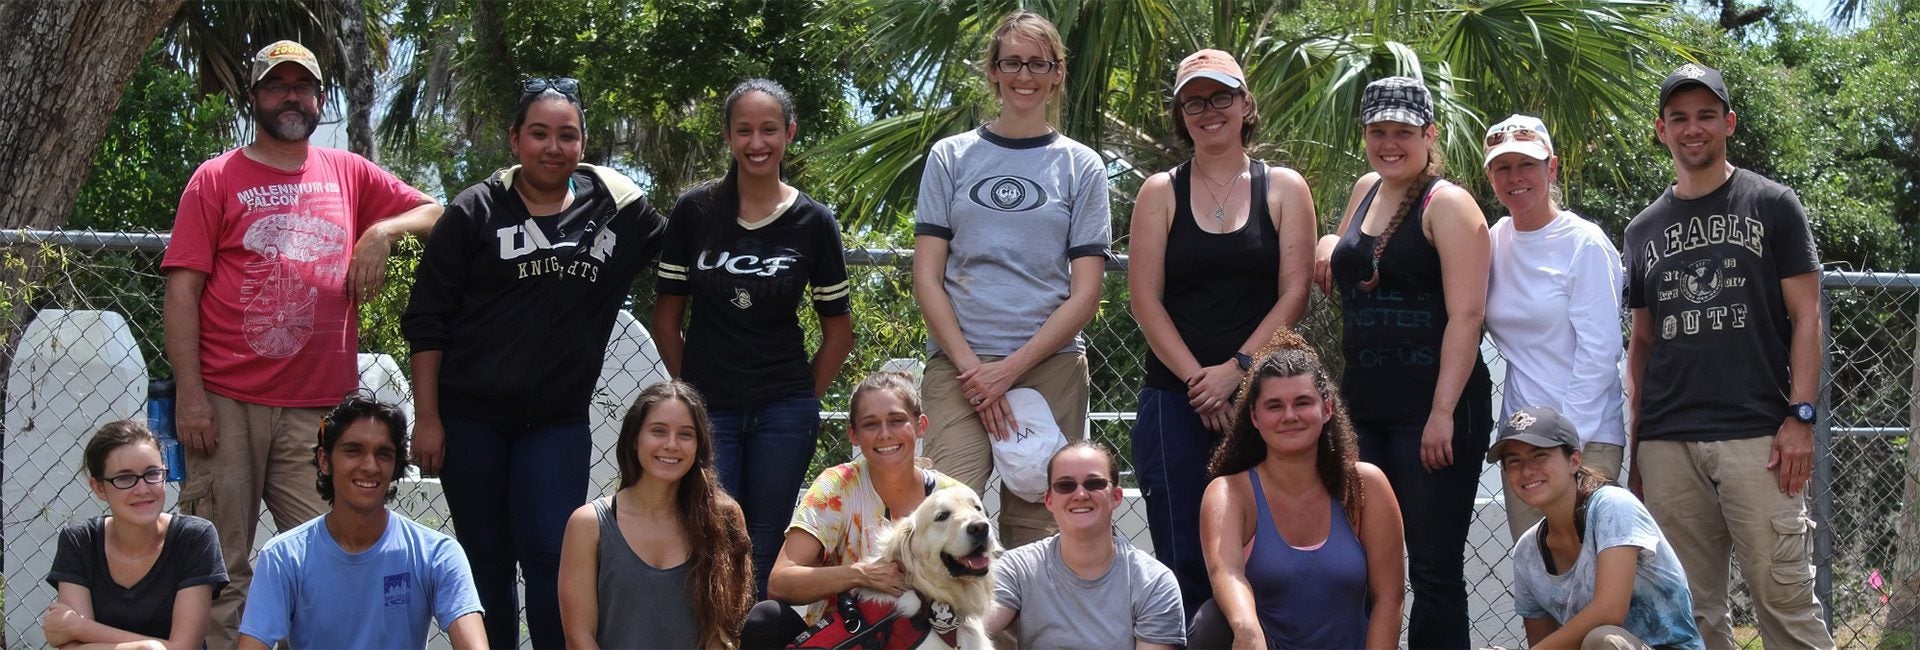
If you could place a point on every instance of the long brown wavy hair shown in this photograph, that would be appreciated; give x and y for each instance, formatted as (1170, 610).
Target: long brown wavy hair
(720, 581)
(1286, 354)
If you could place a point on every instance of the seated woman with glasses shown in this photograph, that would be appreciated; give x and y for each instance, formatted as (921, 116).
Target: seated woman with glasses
(532, 264)
(1222, 254)
(138, 577)
(1303, 541)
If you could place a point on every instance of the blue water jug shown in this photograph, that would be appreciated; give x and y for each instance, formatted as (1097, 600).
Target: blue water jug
(160, 420)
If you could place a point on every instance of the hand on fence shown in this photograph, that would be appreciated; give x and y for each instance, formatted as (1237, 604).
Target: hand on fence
(193, 422)
(1436, 442)
(429, 444)
(1792, 456)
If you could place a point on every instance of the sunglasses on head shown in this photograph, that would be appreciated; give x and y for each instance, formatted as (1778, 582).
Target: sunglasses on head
(1067, 486)
(1516, 134)
(564, 85)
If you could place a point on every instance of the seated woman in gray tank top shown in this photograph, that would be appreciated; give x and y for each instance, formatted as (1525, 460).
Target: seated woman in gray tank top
(629, 576)
(1302, 540)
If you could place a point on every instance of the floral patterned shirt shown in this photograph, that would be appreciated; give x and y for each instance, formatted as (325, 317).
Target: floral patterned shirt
(842, 510)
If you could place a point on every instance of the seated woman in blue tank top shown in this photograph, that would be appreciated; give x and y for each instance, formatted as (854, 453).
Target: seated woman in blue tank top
(1302, 540)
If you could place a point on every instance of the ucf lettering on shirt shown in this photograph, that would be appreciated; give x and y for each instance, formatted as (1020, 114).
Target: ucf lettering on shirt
(1708, 272)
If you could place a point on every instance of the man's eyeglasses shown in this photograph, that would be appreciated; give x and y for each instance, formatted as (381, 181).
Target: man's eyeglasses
(278, 89)
(1219, 101)
(1516, 134)
(126, 481)
(564, 85)
(1066, 486)
(1035, 67)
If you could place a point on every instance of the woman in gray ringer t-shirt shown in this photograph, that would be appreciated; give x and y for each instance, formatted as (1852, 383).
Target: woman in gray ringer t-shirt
(1011, 234)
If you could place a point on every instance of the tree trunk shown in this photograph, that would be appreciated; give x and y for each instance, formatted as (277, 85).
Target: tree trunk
(1903, 608)
(63, 67)
(358, 78)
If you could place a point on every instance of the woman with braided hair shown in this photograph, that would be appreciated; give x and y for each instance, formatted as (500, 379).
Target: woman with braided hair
(1410, 260)
(1303, 541)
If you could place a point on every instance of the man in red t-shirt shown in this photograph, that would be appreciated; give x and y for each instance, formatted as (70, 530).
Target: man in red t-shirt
(273, 245)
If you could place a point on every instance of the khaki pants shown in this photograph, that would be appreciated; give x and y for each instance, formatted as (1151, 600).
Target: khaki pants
(958, 444)
(1712, 498)
(262, 452)
(1600, 456)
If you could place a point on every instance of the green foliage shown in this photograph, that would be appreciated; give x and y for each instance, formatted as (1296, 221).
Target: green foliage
(162, 131)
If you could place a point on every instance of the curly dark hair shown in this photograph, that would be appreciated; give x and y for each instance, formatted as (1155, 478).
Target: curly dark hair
(721, 578)
(356, 406)
(1286, 354)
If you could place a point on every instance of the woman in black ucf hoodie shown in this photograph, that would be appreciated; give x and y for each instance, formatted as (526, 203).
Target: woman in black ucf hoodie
(511, 310)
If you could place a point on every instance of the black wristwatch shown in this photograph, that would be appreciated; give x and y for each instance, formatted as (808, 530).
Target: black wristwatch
(1245, 360)
(1803, 411)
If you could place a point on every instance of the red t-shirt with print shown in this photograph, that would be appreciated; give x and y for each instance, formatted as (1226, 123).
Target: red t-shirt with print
(276, 325)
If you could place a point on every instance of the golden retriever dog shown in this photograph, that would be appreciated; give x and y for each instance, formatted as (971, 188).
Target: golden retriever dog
(945, 550)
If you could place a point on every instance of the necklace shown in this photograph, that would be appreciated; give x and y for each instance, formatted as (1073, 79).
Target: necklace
(1219, 206)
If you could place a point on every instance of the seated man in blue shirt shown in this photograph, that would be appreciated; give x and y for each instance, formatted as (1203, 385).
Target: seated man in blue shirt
(1085, 587)
(361, 576)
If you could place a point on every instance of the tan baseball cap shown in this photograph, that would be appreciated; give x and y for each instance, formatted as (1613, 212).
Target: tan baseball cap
(285, 52)
(1209, 64)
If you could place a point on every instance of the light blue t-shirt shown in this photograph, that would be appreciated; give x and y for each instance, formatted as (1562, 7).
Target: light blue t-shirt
(309, 591)
(1661, 612)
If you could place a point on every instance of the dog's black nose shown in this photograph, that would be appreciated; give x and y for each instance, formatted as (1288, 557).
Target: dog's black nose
(978, 530)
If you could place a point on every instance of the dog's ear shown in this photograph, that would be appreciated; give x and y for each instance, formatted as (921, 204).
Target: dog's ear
(899, 543)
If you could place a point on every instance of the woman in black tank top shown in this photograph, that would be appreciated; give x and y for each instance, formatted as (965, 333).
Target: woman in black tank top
(1219, 253)
(1410, 262)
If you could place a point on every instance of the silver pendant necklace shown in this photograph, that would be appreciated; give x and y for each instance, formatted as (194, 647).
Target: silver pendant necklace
(1219, 206)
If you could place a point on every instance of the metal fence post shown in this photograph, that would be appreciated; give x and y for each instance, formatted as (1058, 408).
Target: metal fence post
(1822, 488)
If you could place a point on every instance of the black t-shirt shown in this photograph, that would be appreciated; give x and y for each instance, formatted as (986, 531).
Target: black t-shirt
(1391, 336)
(1708, 271)
(522, 306)
(1219, 286)
(189, 557)
(746, 285)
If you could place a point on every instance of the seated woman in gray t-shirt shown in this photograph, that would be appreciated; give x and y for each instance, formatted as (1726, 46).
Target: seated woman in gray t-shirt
(1068, 590)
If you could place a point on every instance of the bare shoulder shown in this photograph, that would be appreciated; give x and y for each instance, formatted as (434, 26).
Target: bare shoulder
(1285, 177)
(1365, 182)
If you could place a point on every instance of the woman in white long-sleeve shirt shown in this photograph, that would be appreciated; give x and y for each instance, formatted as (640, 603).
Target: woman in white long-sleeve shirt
(1553, 302)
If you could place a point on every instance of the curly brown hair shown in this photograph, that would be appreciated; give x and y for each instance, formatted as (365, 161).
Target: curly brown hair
(720, 581)
(1286, 354)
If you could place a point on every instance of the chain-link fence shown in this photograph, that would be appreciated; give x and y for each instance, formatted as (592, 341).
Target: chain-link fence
(84, 309)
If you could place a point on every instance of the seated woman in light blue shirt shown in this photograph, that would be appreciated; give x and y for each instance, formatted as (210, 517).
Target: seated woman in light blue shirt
(1596, 572)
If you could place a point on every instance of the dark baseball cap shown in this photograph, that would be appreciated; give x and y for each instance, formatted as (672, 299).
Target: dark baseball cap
(1694, 74)
(1540, 426)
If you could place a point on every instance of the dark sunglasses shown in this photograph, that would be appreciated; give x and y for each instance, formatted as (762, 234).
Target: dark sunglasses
(126, 481)
(1219, 101)
(1066, 486)
(568, 86)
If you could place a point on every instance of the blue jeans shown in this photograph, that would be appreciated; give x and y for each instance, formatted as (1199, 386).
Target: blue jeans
(773, 443)
(510, 489)
(1171, 447)
(1436, 509)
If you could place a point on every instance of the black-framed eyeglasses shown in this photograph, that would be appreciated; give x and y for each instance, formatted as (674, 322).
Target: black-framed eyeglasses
(1035, 67)
(1066, 486)
(1219, 101)
(127, 481)
(564, 85)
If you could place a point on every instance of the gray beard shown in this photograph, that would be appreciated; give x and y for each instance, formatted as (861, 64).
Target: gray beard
(279, 127)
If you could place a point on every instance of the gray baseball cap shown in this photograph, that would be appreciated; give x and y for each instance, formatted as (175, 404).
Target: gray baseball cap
(1540, 426)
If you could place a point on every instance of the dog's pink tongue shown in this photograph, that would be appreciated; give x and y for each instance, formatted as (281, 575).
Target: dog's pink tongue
(975, 562)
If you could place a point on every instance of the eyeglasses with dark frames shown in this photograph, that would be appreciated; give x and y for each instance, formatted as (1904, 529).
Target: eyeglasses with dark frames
(1219, 101)
(301, 89)
(127, 481)
(568, 86)
(1067, 486)
(1035, 67)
